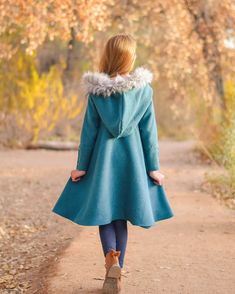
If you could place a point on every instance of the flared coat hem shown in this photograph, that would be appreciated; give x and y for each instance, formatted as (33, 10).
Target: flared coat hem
(145, 226)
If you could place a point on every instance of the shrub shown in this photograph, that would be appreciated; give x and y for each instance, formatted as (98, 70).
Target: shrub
(31, 103)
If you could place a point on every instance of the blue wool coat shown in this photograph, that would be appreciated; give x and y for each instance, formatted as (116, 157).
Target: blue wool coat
(118, 146)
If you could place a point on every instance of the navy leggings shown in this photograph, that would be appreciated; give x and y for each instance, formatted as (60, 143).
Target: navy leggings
(114, 236)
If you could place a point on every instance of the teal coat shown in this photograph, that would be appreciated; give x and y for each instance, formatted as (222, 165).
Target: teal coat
(118, 146)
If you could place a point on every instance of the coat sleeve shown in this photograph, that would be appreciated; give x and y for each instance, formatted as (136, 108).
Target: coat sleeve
(149, 138)
(89, 132)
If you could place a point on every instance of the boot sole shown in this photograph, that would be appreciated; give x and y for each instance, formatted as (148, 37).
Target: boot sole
(110, 284)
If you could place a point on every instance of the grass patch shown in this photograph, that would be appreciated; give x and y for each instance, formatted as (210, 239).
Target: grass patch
(221, 186)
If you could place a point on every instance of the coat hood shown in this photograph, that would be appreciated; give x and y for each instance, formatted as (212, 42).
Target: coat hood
(121, 101)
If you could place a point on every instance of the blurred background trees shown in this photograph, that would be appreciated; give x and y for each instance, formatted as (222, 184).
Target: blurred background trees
(189, 44)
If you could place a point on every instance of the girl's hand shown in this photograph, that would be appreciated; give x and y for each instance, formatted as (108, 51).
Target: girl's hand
(77, 174)
(157, 177)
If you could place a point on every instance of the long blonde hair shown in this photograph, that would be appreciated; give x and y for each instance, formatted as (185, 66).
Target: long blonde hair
(119, 55)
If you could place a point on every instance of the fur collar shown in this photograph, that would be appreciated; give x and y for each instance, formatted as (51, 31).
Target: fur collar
(101, 84)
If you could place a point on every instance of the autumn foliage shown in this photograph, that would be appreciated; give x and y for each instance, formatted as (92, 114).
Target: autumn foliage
(189, 44)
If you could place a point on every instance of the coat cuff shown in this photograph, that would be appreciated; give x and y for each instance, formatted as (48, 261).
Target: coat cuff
(152, 159)
(82, 166)
(82, 163)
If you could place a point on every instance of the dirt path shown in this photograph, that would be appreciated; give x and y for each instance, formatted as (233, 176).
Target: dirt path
(191, 253)
(30, 235)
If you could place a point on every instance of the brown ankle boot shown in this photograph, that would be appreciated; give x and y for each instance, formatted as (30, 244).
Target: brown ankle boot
(112, 282)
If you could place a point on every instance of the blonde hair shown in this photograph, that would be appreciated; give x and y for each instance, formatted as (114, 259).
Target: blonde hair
(119, 55)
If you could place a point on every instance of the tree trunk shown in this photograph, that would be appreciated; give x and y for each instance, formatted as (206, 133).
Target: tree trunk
(203, 26)
(72, 64)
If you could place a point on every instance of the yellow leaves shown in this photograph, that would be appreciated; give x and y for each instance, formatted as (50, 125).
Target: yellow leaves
(36, 101)
(71, 107)
(230, 100)
(230, 90)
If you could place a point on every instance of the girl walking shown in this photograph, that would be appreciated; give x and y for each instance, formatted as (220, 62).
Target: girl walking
(117, 177)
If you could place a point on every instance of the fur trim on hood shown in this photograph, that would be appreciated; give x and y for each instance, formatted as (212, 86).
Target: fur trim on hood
(98, 83)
